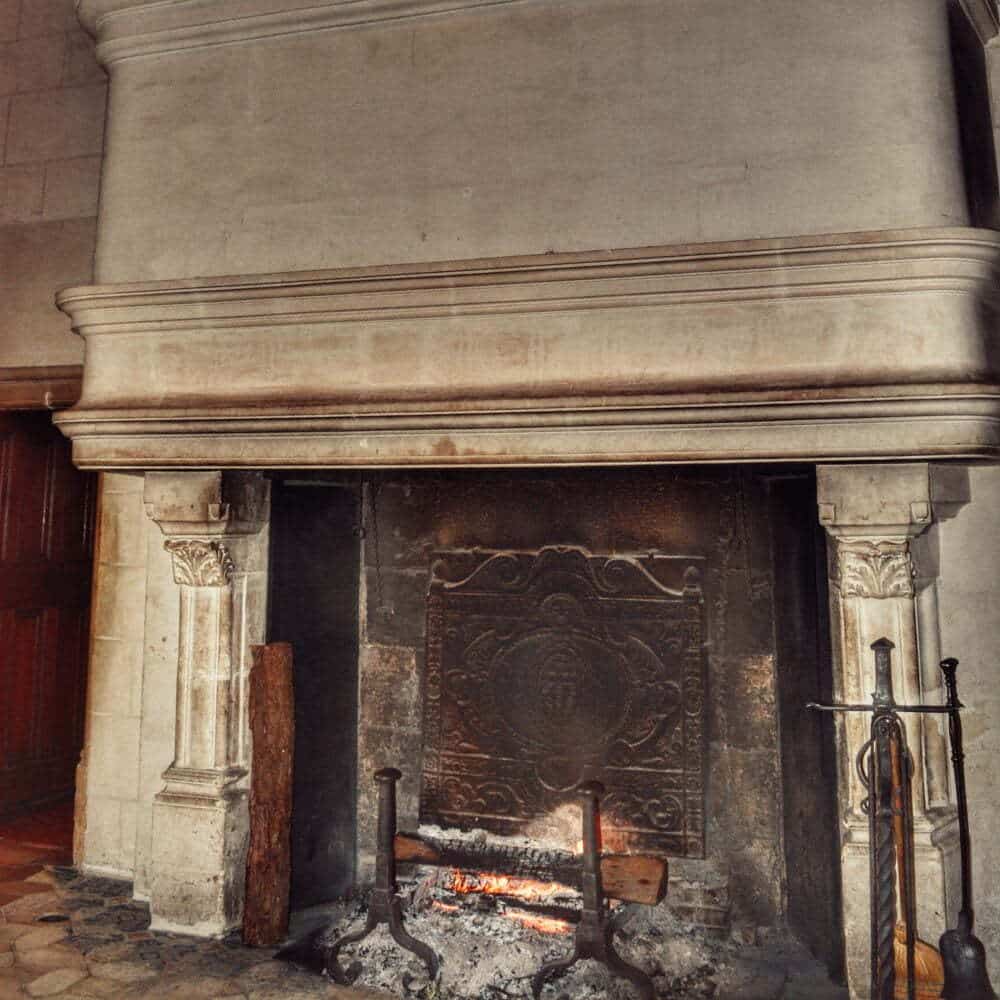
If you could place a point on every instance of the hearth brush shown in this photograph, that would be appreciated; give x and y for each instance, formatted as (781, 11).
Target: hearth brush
(928, 968)
(965, 973)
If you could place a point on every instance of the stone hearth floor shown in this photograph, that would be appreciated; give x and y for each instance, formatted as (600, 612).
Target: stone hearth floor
(77, 937)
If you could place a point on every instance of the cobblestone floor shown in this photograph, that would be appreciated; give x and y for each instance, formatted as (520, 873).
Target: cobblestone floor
(77, 937)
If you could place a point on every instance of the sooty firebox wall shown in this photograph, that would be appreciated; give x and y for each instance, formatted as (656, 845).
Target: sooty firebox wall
(424, 531)
(550, 666)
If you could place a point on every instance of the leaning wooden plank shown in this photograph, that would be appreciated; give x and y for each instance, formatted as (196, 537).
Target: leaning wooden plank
(269, 859)
(632, 878)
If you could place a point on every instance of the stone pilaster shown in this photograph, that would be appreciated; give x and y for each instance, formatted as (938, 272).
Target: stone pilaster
(874, 515)
(210, 521)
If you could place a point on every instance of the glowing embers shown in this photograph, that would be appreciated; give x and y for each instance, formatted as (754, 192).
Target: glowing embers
(542, 924)
(526, 889)
(545, 907)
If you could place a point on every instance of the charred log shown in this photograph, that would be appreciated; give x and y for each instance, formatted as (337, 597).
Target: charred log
(631, 878)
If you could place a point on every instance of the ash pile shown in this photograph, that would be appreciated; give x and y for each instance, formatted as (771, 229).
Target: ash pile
(494, 933)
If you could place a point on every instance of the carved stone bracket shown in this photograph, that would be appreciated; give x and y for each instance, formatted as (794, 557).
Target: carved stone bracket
(207, 504)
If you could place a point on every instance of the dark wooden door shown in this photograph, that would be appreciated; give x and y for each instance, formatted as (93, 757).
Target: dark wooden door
(46, 529)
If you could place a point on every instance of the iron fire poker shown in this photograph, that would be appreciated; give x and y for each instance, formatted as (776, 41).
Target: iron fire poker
(965, 973)
(874, 763)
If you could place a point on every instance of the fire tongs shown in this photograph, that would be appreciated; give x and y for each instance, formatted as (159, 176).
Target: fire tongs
(885, 805)
(594, 932)
(385, 905)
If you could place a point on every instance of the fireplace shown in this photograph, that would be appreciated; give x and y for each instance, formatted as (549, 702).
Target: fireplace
(516, 632)
(496, 311)
(449, 311)
(535, 448)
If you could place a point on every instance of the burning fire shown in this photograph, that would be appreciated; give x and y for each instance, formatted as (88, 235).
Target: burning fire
(529, 890)
(525, 890)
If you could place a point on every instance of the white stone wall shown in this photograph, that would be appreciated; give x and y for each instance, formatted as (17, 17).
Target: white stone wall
(547, 125)
(52, 100)
(108, 779)
(969, 597)
(159, 694)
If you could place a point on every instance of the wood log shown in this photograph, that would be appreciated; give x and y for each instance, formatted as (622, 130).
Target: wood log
(633, 878)
(269, 859)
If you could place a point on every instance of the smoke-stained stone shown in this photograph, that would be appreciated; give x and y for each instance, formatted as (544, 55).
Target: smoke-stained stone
(721, 514)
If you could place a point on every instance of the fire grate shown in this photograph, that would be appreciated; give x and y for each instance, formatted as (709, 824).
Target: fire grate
(550, 667)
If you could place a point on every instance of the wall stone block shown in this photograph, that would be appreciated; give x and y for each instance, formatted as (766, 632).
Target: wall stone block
(53, 125)
(39, 62)
(81, 66)
(10, 12)
(21, 193)
(46, 17)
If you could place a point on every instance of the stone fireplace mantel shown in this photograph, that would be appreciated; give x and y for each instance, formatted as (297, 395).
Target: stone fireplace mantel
(871, 346)
(129, 28)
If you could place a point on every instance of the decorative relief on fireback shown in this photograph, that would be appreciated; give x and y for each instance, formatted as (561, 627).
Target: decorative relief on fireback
(545, 667)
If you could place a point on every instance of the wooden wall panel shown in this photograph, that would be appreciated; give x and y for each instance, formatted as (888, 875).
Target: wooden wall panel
(46, 540)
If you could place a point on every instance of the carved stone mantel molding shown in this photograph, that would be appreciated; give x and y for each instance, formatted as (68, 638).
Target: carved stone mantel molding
(686, 353)
(129, 28)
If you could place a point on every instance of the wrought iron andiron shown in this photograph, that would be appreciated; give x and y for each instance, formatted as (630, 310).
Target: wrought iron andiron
(384, 906)
(887, 743)
(594, 932)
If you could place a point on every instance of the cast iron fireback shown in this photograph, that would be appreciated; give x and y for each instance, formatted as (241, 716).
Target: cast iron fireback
(545, 668)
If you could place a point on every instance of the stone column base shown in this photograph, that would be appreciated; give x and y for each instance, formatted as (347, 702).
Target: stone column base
(936, 857)
(199, 845)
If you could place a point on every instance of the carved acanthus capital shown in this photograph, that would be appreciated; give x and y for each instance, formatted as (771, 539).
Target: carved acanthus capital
(200, 563)
(875, 569)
